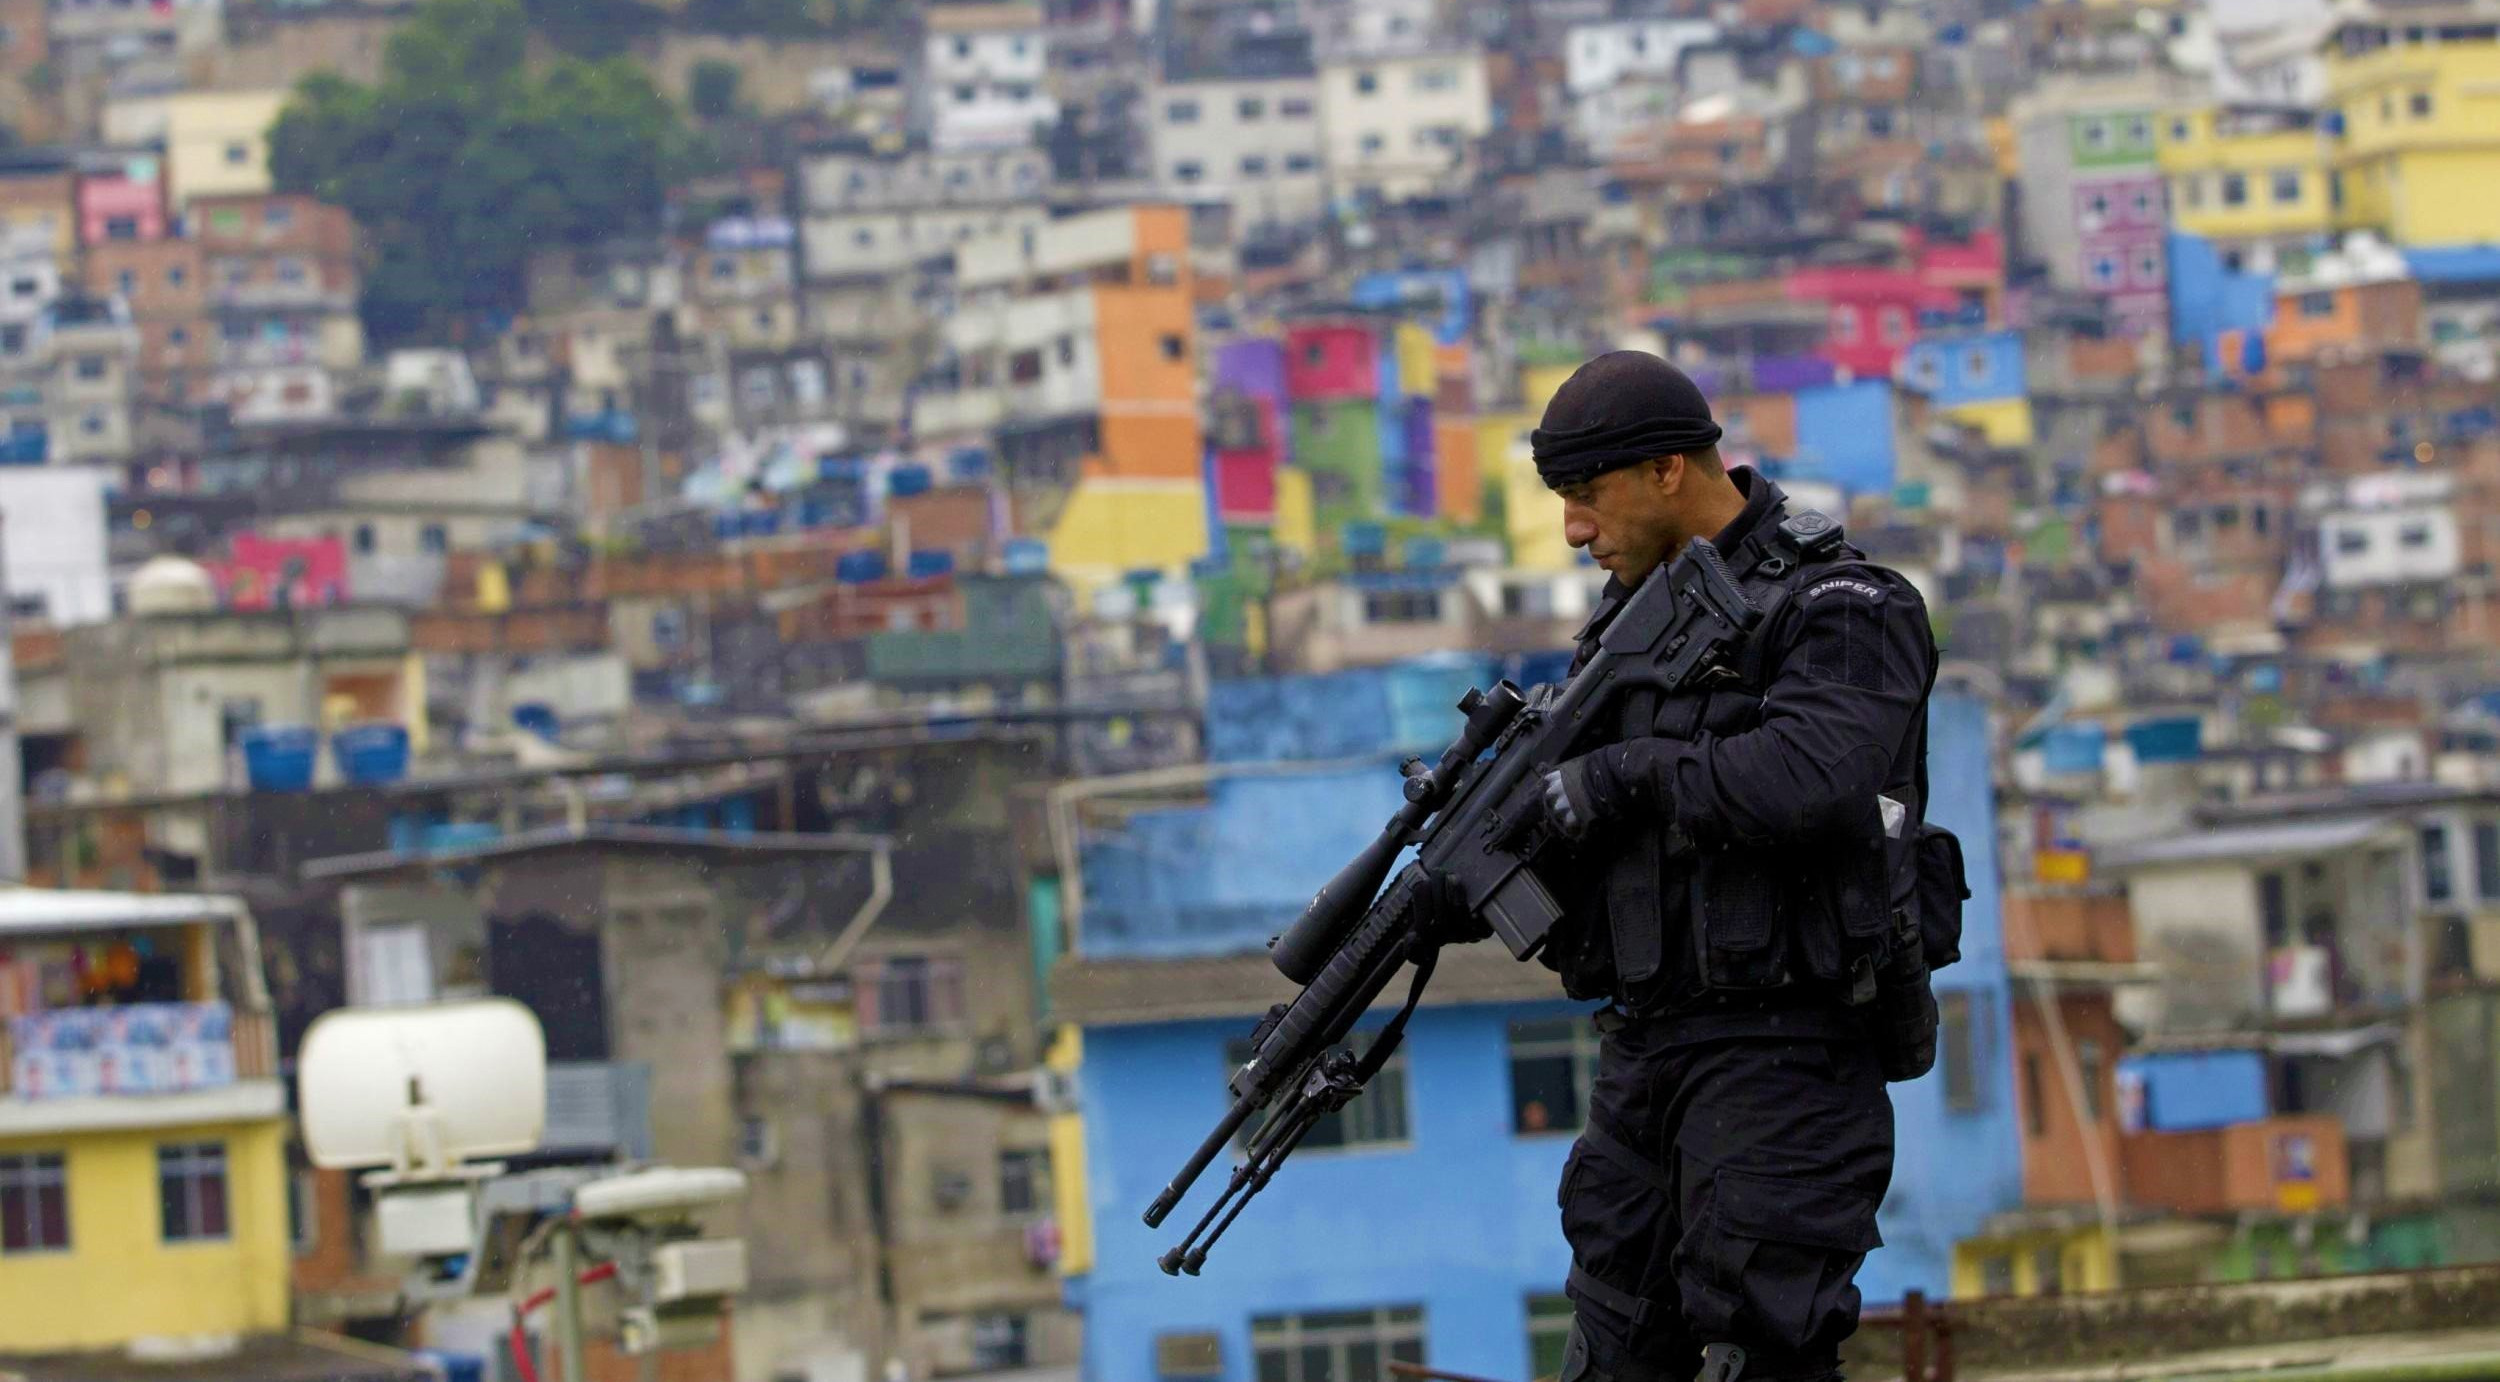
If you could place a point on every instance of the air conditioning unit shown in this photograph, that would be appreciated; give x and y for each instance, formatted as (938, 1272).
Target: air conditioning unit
(1189, 1355)
(699, 1267)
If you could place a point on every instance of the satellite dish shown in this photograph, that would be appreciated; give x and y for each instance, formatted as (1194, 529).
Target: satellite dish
(422, 1088)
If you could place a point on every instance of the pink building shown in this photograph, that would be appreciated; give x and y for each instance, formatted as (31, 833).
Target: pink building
(1331, 362)
(1874, 314)
(115, 207)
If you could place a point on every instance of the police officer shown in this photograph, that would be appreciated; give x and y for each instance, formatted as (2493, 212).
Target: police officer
(1735, 889)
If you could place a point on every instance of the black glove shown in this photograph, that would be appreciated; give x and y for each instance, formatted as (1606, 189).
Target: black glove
(1568, 801)
(1444, 906)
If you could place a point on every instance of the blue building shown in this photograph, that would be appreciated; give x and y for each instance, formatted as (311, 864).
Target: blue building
(1421, 1222)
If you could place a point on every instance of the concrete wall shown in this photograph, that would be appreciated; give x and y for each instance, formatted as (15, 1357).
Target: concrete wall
(2200, 924)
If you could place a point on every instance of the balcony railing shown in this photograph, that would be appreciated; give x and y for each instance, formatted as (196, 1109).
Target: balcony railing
(133, 1051)
(2290, 1163)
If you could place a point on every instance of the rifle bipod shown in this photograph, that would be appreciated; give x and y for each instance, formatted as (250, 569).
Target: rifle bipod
(1331, 1086)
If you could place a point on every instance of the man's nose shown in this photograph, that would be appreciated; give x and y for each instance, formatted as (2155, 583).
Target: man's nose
(1579, 530)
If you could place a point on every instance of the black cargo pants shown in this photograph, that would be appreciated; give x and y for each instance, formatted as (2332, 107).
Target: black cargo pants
(1724, 1192)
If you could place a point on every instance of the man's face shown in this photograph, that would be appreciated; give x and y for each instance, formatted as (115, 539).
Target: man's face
(1626, 518)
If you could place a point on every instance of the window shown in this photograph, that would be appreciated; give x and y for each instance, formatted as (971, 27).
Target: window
(2142, 204)
(1402, 607)
(1181, 113)
(1996, 1275)
(238, 154)
(2414, 536)
(2048, 1269)
(998, 1342)
(1844, 324)
(1336, 1345)
(1294, 108)
(290, 270)
(2192, 192)
(1895, 325)
(1188, 170)
(2487, 860)
(1366, 83)
(1436, 78)
(1376, 1118)
(91, 367)
(1957, 1050)
(2091, 1069)
(1024, 367)
(1373, 143)
(2178, 131)
(1023, 1181)
(175, 277)
(1253, 165)
(1065, 348)
(278, 217)
(303, 1210)
(2286, 186)
(1975, 369)
(2139, 132)
(1552, 1064)
(34, 1203)
(433, 540)
(178, 335)
(2105, 271)
(963, 47)
(2420, 105)
(2035, 1097)
(364, 540)
(2235, 189)
(2438, 880)
(26, 286)
(1251, 108)
(2148, 268)
(191, 1183)
(916, 993)
(2096, 135)
(2097, 206)
(126, 282)
(1549, 1330)
(1300, 163)
(1174, 348)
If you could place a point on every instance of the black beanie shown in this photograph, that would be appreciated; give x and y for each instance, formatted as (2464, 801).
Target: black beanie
(1619, 409)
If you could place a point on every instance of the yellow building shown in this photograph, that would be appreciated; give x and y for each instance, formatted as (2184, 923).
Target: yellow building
(2033, 1254)
(143, 1189)
(1531, 515)
(2254, 180)
(217, 142)
(2418, 95)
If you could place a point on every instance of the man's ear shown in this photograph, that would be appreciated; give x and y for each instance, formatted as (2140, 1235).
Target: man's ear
(1670, 471)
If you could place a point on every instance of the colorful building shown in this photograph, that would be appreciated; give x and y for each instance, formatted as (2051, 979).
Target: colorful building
(1975, 378)
(2420, 148)
(2254, 180)
(217, 142)
(2093, 194)
(1434, 1193)
(143, 1188)
(1081, 357)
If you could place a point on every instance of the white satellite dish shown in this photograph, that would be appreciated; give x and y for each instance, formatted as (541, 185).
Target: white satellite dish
(422, 1088)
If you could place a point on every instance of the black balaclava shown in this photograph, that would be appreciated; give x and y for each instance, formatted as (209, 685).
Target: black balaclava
(1619, 409)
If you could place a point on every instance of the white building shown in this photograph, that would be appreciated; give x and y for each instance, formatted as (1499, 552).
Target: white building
(868, 215)
(92, 385)
(52, 536)
(1402, 126)
(983, 68)
(1255, 143)
(2390, 529)
(1596, 56)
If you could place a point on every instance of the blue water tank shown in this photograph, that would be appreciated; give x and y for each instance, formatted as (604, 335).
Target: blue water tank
(537, 717)
(1026, 556)
(908, 480)
(371, 753)
(932, 562)
(279, 758)
(857, 568)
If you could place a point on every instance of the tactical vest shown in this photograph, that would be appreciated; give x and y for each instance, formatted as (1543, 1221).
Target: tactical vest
(1753, 923)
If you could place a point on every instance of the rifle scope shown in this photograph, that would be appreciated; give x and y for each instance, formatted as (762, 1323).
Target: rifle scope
(1323, 926)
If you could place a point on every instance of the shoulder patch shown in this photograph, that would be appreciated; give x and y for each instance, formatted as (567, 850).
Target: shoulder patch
(1845, 585)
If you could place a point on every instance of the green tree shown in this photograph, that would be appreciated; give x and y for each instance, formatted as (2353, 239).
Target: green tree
(712, 88)
(460, 163)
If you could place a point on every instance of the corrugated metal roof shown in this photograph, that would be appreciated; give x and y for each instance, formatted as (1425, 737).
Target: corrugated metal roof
(24, 910)
(2273, 840)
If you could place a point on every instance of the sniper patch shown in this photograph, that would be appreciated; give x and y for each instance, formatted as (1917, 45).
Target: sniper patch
(1847, 646)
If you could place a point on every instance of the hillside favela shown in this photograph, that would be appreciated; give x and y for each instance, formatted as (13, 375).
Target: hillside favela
(683, 679)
